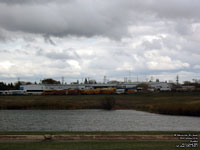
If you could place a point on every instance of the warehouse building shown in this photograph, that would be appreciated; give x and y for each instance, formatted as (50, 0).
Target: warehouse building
(38, 88)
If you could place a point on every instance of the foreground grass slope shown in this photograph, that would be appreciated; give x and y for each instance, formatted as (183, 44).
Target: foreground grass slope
(97, 144)
(97, 132)
(92, 145)
(163, 103)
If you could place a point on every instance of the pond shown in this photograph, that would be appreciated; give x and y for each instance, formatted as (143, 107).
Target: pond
(93, 120)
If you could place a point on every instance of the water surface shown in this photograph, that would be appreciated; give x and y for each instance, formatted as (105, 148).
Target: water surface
(93, 120)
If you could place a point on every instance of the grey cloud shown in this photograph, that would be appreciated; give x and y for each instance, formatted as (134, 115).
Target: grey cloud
(14, 51)
(68, 54)
(48, 39)
(175, 9)
(4, 37)
(58, 65)
(25, 2)
(160, 29)
(4, 51)
(172, 42)
(180, 9)
(155, 44)
(21, 51)
(90, 18)
(183, 28)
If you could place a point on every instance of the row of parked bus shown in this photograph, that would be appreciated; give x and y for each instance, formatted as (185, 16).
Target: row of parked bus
(13, 92)
(70, 92)
(89, 91)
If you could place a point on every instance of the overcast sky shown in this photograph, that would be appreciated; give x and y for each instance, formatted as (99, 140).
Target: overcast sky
(95, 38)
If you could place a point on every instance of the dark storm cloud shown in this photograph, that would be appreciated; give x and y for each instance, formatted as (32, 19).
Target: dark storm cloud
(79, 18)
(90, 18)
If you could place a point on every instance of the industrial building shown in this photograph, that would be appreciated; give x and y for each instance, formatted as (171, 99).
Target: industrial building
(39, 88)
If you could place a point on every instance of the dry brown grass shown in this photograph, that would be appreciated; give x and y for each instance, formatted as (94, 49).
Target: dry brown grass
(164, 103)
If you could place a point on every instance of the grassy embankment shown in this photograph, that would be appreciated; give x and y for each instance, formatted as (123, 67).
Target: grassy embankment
(163, 103)
(97, 144)
(97, 132)
(92, 145)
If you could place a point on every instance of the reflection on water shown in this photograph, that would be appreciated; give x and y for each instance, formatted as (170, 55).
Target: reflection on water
(93, 120)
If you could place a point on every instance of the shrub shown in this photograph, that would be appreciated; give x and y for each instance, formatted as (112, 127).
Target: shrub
(108, 103)
(179, 109)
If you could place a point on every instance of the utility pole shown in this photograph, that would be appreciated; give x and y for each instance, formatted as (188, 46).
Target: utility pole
(125, 79)
(63, 80)
(177, 79)
(104, 79)
(129, 80)
(82, 80)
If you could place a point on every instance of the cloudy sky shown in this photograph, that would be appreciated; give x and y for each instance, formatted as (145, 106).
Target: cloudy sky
(95, 38)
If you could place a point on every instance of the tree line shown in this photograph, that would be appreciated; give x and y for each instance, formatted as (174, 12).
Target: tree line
(9, 86)
(16, 85)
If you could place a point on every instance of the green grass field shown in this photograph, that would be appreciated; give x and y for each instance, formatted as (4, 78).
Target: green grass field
(172, 103)
(97, 132)
(92, 145)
